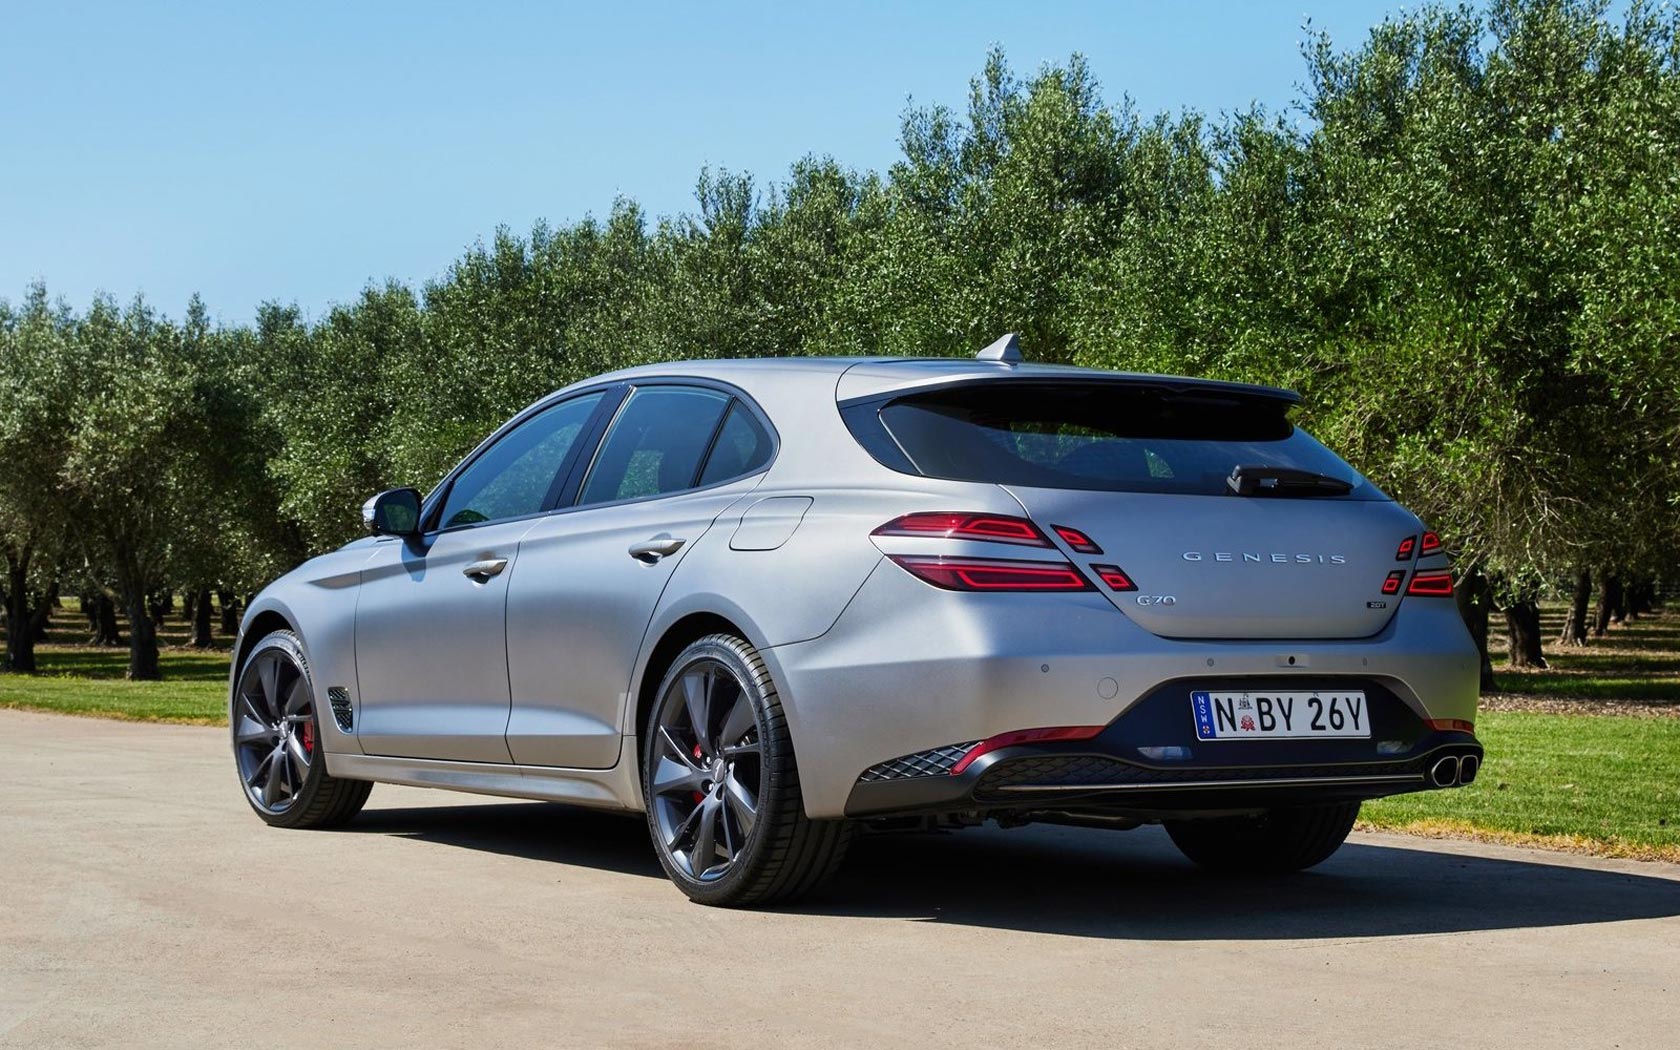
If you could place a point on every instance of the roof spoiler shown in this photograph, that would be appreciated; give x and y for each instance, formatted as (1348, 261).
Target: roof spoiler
(1006, 349)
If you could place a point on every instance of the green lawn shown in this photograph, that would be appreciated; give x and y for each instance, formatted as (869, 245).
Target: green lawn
(177, 700)
(1610, 783)
(80, 679)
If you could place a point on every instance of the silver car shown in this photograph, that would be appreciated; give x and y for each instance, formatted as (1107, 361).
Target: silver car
(771, 604)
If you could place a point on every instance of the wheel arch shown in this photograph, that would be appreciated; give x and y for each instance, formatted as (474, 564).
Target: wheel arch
(259, 626)
(679, 635)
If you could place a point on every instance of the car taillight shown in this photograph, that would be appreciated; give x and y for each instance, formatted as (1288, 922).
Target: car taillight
(1430, 585)
(1391, 585)
(1431, 545)
(1025, 736)
(1452, 725)
(994, 528)
(1407, 546)
(1080, 542)
(990, 574)
(1115, 577)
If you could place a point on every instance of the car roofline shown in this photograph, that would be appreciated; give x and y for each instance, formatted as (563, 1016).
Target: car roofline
(874, 377)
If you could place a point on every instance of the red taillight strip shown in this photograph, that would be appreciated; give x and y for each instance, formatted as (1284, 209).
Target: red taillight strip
(988, 574)
(1431, 545)
(1080, 542)
(1407, 545)
(1025, 736)
(1430, 585)
(1115, 577)
(1391, 585)
(1452, 725)
(957, 525)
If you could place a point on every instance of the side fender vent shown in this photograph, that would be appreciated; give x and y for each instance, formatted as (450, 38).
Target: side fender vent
(343, 713)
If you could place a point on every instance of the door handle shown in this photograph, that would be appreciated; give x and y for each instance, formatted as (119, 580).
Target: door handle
(485, 568)
(658, 547)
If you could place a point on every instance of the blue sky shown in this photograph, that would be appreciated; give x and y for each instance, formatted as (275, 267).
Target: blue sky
(297, 151)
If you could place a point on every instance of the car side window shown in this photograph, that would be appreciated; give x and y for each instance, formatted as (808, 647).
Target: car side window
(655, 444)
(513, 477)
(742, 447)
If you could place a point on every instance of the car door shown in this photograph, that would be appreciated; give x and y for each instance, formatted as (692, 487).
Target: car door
(674, 458)
(431, 650)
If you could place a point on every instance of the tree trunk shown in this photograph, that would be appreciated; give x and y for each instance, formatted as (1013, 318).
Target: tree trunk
(19, 629)
(105, 613)
(142, 641)
(162, 604)
(1575, 624)
(1641, 595)
(1522, 619)
(201, 620)
(20, 634)
(1609, 600)
(41, 618)
(1471, 593)
(230, 612)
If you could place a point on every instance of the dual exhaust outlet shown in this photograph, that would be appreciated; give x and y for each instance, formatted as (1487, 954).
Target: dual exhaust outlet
(1454, 770)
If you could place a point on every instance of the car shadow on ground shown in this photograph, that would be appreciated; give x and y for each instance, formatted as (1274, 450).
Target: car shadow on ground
(1092, 883)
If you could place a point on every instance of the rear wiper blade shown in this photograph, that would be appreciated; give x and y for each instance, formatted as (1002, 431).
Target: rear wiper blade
(1256, 480)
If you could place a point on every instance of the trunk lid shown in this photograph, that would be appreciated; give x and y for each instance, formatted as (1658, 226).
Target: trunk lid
(1235, 566)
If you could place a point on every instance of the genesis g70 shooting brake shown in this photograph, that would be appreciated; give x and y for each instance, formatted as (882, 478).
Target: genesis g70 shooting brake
(770, 603)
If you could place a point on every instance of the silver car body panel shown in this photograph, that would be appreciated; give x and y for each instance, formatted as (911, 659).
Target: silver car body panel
(870, 662)
(1238, 568)
(440, 688)
(569, 661)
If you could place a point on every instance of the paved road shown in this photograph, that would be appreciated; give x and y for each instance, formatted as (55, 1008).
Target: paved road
(141, 904)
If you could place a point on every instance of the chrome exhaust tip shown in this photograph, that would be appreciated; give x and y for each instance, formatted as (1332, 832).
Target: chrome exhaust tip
(1444, 773)
(1468, 767)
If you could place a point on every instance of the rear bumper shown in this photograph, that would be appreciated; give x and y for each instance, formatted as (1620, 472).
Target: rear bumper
(1096, 784)
(1148, 762)
(908, 669)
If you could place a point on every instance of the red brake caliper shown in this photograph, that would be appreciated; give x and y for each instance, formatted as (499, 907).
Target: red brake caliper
(309, 737)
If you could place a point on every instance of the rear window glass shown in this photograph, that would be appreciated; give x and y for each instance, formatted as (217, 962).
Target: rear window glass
(1104, 436)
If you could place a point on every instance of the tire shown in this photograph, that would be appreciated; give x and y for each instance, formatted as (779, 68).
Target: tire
(276, 727)
(1274, 842)
(741, 763)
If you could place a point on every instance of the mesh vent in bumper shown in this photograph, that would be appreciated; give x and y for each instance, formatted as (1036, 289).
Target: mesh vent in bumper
(936, 762)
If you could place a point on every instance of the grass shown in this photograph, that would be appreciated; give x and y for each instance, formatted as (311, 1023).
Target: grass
(79, 679)
(1607, 784)
(1583, 755)
(191, 702)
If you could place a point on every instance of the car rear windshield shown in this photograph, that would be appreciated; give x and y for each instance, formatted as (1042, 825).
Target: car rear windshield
(1104, 436)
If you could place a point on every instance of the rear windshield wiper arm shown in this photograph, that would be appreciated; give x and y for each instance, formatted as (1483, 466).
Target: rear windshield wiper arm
(1255, 480)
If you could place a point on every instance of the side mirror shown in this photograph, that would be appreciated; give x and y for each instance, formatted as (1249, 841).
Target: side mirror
(394, 512)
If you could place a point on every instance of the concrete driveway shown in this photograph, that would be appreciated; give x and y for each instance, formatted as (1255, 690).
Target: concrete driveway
(142, 904)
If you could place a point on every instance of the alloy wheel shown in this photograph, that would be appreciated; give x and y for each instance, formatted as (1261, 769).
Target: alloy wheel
(274, 735)
(708, 769)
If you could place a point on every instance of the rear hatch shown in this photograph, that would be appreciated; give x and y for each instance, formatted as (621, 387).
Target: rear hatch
(1295, 544)
(1235, 567)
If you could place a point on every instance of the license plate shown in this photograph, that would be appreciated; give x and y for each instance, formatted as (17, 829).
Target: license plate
(1281, 715)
